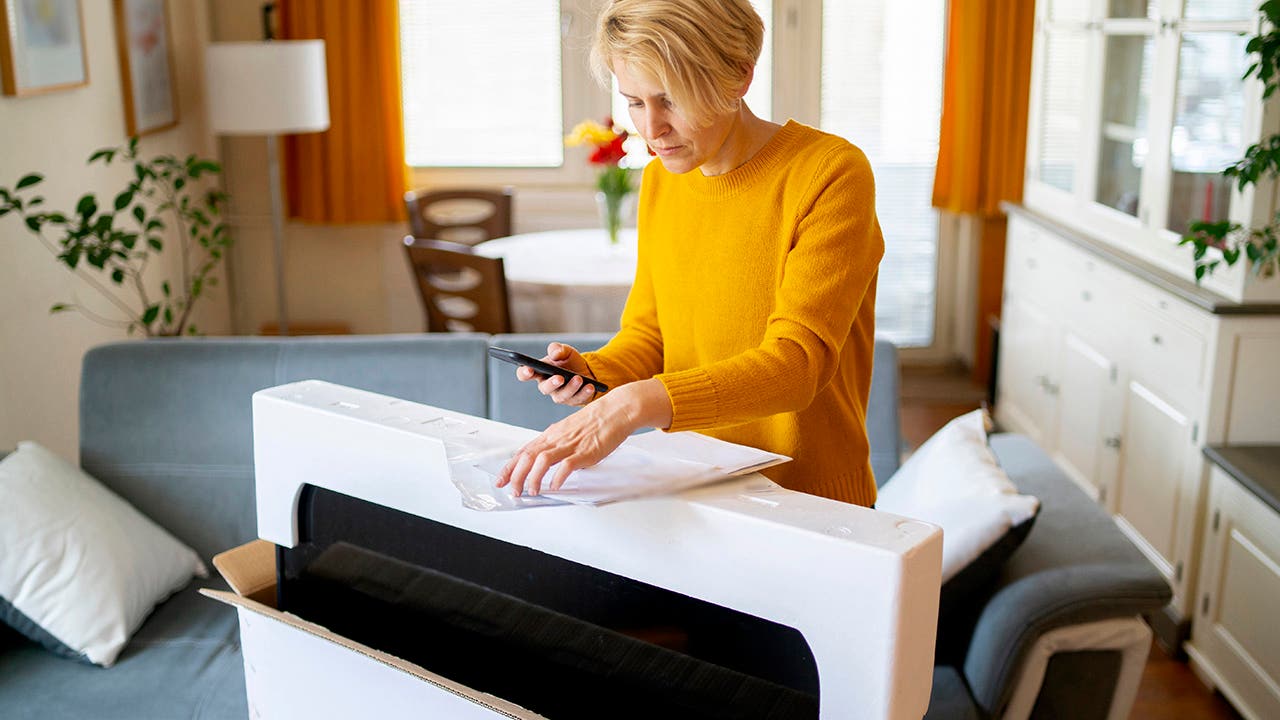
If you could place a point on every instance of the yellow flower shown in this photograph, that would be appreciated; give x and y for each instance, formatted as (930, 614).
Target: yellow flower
(589, 132)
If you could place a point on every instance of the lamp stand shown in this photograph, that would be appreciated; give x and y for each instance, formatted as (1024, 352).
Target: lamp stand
(277, 232)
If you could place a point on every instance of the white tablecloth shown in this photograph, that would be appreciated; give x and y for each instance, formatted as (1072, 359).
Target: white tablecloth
(566, 281)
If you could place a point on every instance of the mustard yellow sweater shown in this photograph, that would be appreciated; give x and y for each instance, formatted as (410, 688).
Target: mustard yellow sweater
(754, 305)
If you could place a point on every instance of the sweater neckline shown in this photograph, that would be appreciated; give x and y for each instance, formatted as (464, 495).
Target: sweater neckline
(737, 179)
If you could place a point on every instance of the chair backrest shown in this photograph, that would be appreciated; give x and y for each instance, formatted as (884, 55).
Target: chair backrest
(461, 291)
(465, 216)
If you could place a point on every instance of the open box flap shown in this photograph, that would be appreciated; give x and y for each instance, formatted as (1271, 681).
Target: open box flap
(491, 702)
(250, 570)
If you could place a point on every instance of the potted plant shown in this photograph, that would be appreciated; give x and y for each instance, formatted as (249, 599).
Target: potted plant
(1230, 240)
(117, 240)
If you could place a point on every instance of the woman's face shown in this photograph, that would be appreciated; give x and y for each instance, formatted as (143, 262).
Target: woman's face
(678, 144)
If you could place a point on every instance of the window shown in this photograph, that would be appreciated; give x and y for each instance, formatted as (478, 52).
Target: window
(482, 83)
(867, 70)
(882, 90)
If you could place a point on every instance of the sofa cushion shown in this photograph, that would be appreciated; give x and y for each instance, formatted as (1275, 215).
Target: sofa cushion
(80, 568)
(1076, 566)
(949, 699)
(167, 423)
(954, 481)
(184, 662)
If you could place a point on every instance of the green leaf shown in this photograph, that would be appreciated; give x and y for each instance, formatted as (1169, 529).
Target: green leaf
(155, 243)
(164, 288)
(179, 183)
(28, 180)
(117, 276)
(123, 199)
(154, 224)
(150, 315)
(1200, 271)
(5, 211)
(105, 155)
(168, 315)
(72, 257)
(59, 307)
(34, 222)
(87, 206)
(35, 201)
(139, 214)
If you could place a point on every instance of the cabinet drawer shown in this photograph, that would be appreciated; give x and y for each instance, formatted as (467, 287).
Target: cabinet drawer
(1093, 292)
(1167, 357)
(1031, 263)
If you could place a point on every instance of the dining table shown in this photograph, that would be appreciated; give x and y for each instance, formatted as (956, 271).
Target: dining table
(566, 281)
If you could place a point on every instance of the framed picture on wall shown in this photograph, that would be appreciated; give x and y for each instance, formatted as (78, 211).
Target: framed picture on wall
(146, 65)
(41, 46)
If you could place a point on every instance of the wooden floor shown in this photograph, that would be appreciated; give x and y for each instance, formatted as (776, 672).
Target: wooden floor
(931, 397)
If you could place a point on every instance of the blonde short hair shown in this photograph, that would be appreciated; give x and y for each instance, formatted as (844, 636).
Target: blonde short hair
(700, 51)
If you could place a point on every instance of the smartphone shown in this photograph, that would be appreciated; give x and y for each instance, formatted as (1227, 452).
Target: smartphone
(542, 368)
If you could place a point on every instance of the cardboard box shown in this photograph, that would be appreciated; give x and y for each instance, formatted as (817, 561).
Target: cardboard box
(297, 669)
(861, 586)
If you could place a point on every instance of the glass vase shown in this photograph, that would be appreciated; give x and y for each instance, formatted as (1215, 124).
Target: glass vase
(615, 209)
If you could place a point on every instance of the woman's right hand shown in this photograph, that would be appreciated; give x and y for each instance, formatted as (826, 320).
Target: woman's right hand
(573, 392)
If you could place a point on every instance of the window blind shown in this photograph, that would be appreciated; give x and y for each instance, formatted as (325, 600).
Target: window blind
(881, 89)
(481, 83)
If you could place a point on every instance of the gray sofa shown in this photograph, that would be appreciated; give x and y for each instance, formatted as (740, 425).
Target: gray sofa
(167, 425)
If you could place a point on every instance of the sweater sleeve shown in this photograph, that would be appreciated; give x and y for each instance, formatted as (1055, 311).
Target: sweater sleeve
(832, 262)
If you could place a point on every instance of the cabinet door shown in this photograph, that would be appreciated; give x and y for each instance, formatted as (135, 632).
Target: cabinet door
(1088, 432)
(1149, 505)
(1027, 354)
(1235, 637)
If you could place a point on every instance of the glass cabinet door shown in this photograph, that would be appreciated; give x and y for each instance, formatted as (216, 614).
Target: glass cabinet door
(1208, 127)
(1123, 146)
(1061, 108)
(1220, 9)
(1132, 8)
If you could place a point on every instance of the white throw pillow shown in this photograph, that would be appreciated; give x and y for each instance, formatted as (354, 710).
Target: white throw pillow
(80, 568)
(954, 481)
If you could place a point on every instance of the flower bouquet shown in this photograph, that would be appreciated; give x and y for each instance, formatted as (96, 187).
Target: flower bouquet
(614, 182)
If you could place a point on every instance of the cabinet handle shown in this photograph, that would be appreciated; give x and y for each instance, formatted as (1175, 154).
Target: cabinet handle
(1157, 340)
(1112, 442)
(1216, 517)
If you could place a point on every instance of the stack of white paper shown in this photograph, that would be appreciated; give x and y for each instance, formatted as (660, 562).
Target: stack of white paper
(653, 463)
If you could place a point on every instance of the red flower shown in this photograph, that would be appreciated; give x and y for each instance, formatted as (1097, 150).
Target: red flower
(610, 153)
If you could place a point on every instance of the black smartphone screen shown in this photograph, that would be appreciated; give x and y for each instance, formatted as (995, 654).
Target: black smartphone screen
(540, 367)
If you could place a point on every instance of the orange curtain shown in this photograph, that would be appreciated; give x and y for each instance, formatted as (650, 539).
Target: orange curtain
(986, 83)
(355, 171)
(983, 138)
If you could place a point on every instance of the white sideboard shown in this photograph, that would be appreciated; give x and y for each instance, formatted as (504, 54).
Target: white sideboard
(1123, 372)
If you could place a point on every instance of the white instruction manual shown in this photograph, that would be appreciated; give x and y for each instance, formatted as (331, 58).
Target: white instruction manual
(652, 463)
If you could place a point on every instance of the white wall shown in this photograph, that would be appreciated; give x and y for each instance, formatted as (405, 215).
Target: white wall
(54, 134)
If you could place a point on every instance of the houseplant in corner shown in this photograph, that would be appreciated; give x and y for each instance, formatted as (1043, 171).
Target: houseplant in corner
(1229, 240)
(98, 242)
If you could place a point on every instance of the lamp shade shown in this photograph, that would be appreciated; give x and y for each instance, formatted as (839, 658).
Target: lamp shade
(266, 88)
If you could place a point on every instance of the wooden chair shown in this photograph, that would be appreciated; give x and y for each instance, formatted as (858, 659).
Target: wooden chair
(461, 291)
(464, 216)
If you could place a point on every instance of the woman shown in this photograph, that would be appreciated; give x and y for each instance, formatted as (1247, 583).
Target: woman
(753, 310)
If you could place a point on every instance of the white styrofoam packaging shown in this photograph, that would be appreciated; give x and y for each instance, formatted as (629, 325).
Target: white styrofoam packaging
(860, 585)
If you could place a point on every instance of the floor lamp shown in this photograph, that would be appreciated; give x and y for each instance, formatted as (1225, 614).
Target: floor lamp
(271, 88)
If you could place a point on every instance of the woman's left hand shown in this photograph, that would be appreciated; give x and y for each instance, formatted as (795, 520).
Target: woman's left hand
(587, 436)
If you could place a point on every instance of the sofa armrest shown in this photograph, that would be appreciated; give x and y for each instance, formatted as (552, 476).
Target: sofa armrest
(1020, 613)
